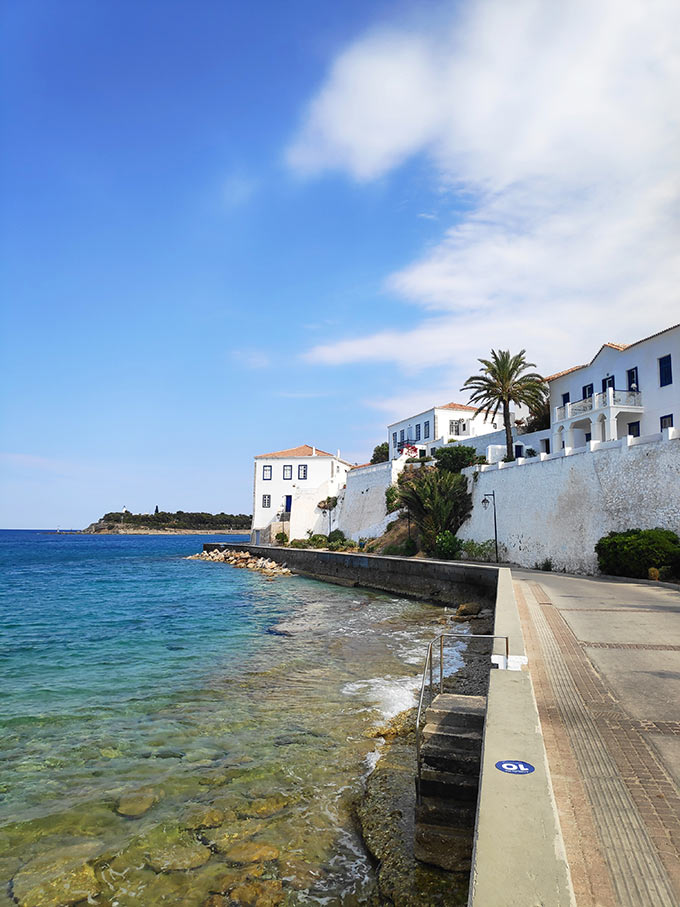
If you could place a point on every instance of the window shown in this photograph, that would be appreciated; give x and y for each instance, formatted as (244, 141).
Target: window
(565, 398)
(394, 439)
(665, 371)
(418, 432)
(587, 391)
(589, 436)
(634, 429)
(287, 472)
(607, 382)
(452, 427)
(546, 445)
(266, 500)
(302, 472)
(422, 453)
(632, 378)
(401, 435)
(666, 421)
(426, 429)
(266, 473)
(519, 450)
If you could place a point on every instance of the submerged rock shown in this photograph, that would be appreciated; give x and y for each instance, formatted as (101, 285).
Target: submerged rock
(177, 850)
(204, 816)
(136, 803)
(251, 852)
(258, 894)
(57, 879)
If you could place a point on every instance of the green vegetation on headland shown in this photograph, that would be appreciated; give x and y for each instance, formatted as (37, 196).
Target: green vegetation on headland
(161, 521)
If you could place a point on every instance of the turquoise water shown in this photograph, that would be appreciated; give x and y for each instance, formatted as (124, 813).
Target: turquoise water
(127, 671)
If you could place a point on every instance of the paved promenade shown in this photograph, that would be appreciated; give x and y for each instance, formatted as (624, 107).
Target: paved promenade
(605, 662)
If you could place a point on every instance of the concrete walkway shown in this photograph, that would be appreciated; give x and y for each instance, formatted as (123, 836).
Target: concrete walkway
(604, 658)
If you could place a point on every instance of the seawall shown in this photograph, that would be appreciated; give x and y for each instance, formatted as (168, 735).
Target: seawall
(441, 582)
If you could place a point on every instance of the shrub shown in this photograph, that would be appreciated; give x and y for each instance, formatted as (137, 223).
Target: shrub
(343, 545)
(281, 538)
(317, 541)
(633, 552)
(299, 543)
(653, 573)
(447, 546)
(479, 551)
(546, 565)
(337, 535)
(392, 499)
(328, 503)
(453, 459)
(381, 453)
(406, 549)
(530, 452)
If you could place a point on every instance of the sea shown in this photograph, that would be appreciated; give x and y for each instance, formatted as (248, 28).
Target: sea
(174, 730)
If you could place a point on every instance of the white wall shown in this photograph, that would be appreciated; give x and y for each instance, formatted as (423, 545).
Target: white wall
(362, 510)
(559, 506)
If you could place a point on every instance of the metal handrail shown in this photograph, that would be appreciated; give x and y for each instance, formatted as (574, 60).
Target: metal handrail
(423, 685)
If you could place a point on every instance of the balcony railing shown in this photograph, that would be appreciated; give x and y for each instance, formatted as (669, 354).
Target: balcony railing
(610, 397)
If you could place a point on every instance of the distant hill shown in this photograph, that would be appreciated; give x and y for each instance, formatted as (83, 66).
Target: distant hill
(162, 521)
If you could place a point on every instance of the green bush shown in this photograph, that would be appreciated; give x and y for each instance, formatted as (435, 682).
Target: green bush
(317, 541)
(299, 543)
(447, 546)
(406, 549)
(479, 551)
(453, 459)
(281, 538)
(530, 452)
(437, 500)
(342, 545)
(546, 565)
(392, 498)
(337, 535)
(633, 552)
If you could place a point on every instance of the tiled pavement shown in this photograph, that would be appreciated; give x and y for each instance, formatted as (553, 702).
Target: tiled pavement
(612, 767)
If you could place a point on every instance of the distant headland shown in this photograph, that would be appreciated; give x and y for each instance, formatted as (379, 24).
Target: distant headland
(162, 522)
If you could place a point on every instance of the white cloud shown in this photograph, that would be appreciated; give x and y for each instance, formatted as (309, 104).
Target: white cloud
(251, 358)
(561, 121)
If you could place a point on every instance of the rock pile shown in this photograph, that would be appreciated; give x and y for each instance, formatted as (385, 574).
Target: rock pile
(243, 560)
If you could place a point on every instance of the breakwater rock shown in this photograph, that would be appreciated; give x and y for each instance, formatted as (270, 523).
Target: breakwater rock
(243, 560)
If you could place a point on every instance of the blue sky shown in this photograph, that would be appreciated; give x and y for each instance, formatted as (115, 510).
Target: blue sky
(231, 228)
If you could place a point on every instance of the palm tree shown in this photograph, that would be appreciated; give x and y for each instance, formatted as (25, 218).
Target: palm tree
(504, 380)
(437, 501)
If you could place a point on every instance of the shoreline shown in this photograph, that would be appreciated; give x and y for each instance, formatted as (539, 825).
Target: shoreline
(230, 532)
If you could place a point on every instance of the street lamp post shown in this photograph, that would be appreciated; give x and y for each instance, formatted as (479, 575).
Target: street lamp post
(485, 505)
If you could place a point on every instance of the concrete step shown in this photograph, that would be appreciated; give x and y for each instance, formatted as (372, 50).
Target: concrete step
(449, 848)
(458, 739)
(453, 710)
(448, 785)
(447, 813)
(446, 759)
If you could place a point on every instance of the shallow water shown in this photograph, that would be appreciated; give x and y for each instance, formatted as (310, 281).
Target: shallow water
(130, 675)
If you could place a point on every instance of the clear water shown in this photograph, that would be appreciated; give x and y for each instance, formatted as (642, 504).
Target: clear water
(126, 669)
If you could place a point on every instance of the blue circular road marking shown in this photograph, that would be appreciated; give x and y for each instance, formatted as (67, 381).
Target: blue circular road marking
(515, 767)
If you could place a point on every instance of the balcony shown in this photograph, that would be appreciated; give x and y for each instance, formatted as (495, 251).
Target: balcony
(626, 400)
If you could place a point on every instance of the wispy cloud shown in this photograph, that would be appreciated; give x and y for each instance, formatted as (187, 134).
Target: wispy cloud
(560, 122)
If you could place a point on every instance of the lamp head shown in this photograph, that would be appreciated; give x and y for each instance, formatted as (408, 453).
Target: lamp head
(485, 503)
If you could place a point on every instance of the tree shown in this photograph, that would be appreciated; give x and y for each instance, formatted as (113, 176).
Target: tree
(438, 501)
(504, 380)
(539, 418)
(156, 510)
(456, 457)
(381, 453)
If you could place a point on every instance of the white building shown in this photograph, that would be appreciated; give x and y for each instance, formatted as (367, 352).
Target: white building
(288, 485)
(624, 390)
(437, 426)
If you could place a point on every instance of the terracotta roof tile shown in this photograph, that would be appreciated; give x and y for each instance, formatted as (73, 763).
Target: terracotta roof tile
(362, 465)
(304, 450)
(457, 406)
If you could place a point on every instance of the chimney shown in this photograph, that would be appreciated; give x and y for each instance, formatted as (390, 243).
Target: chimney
(313, 451)
(338, 453)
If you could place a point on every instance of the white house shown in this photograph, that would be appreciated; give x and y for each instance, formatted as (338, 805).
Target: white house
(288, 485)
(624, 390)
(437, 426)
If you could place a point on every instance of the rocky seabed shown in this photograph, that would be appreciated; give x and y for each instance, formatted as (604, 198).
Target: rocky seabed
(243, 560)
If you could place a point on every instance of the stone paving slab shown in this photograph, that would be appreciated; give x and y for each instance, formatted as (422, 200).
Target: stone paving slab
(648, 681)
(621, 629)
(619, 803)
